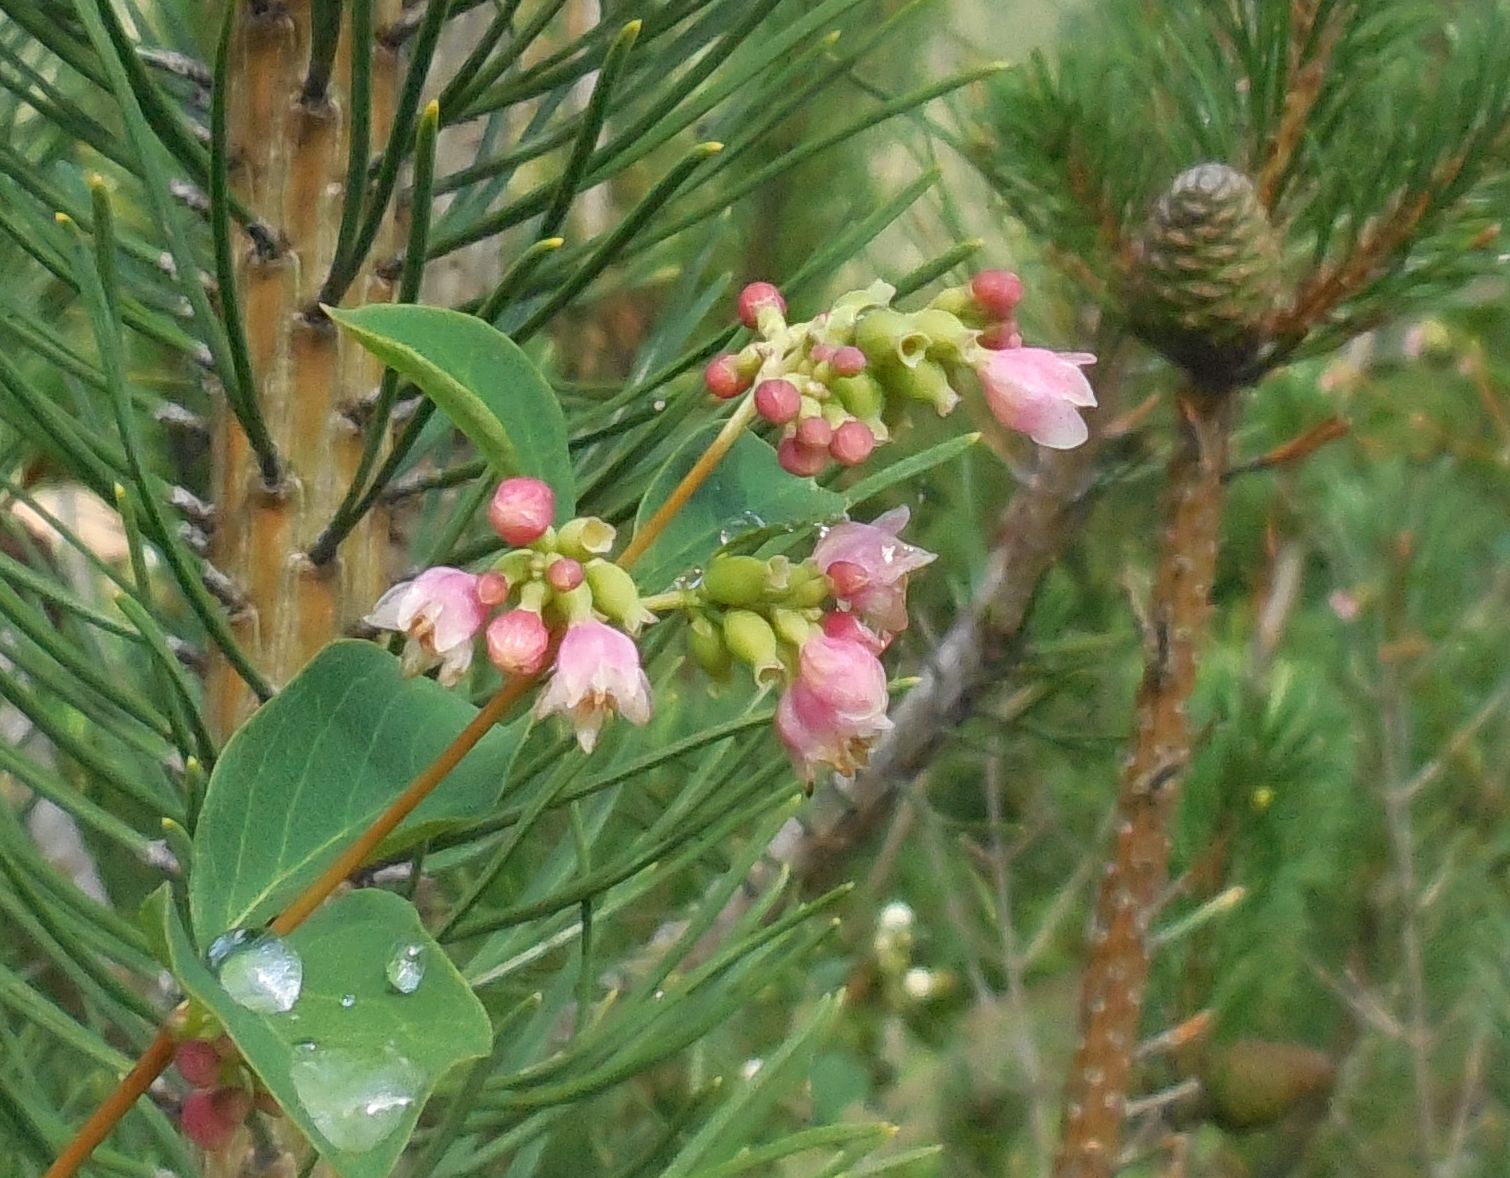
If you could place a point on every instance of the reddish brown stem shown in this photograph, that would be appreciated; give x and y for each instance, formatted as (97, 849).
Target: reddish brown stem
(1111, 998)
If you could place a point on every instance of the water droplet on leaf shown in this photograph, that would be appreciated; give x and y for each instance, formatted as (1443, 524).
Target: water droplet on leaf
(260, 972)
(348, 1001)
(356, 1099)
(406, 968)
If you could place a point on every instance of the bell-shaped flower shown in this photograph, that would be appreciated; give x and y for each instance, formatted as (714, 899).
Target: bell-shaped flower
(834, 709)
(868, 565)
(597, 674)
(441, 611)
(1038, 392)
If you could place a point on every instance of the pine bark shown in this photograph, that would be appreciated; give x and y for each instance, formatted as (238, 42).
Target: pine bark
(289, 156)
(1137, 873)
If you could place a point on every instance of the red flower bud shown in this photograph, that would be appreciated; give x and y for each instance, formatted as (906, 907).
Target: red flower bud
(997, 292)
(777, 400)
(797, 459)
(814, 432)
(757, 297)
(723, 378)
(198, 1062)
(564, 575)
(848, 361)
(521, 510)
(852, 443)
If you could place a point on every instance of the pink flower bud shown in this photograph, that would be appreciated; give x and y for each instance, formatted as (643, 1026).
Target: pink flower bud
(848, 361)
(777, 400)
(564, 575)
(852, 443)
(198, 1062)
(492, 588)
(1039, 393)
(597, 675)
(800, 460)
(521, 510)
(997, 292)
(822, 353)
(835, 709)
(518, 642)
(815, 432)
(722, 376)
(755, 298)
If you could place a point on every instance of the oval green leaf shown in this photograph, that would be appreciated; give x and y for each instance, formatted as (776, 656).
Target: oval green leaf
(354, 1059)
(747, 491)
(312, 769)
(480, 379)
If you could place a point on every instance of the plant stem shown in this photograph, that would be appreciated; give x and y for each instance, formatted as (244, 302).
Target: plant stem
(694, 479)
(1111, 996)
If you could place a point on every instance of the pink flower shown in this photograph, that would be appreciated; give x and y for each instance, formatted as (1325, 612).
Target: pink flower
(848, 628)
(869, 566)
(1037, 392)
(521, 510)
(518, 642)
(597, 674)
(835, 708)
(441, 612)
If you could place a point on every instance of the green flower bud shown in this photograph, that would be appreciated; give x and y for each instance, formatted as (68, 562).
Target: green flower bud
(862, 395)
(616, 596)
(585, 537)
(792, 627)
(516, 565)
(736, 580)
(807, 587)
(948, 337)
(959, 302)
(926, 382)
(888, 337)
(709, 651)
(751, 640)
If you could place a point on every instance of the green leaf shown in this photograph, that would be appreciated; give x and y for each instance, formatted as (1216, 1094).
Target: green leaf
(908, 468)
(481, 380)
(353, 1060)
(747, 491)
(315, 765)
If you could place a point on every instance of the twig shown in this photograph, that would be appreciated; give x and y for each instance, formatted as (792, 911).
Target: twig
(1112, 992)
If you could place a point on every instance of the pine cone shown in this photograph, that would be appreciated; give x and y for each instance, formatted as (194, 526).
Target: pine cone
(1207, 276)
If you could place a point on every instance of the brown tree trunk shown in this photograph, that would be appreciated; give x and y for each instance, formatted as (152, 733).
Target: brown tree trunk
(1111, 996)
(289, 164)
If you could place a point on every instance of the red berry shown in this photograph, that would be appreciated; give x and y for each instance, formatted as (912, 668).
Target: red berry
(997, 292)
(777, 400)
(814, 432)
(852, 443)
(198, 1062)
(797, 459)
(722, 377)
(755, 298)
(848, 361)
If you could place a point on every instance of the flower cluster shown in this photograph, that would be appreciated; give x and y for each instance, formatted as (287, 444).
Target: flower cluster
(818, 628)
(552, 601)
(835, 385)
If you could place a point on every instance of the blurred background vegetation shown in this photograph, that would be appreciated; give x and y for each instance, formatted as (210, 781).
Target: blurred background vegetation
(1332, 989)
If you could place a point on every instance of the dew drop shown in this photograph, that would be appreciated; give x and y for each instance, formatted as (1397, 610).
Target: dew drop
(732, 529)
(658, 405)
(406, 968)
(348, 1001)
(261, 972)
(356, 1099)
